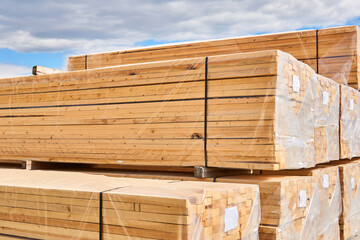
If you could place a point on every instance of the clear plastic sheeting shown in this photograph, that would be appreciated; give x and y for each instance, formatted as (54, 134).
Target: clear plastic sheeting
(63, 205)
(294, 113)
(327, 107)
(290, 205)
(349, 123)
(330, 211)
(331, 52)
(350, 218)
(248, 110)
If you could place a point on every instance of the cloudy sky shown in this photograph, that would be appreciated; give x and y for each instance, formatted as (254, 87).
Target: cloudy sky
(35, 32)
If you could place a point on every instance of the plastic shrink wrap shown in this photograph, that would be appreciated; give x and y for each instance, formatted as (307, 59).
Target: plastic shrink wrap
(327, 108)
(349, 123)
(290, 205)
(331, 52)
(248, 110)
(63, 205)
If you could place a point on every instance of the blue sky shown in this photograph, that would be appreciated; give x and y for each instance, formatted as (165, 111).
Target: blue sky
(57, 30)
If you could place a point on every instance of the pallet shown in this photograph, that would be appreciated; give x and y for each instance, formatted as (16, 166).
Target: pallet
(289, 203)
(327, 109)
(153, 114)
(331, 52)
(63, 205)
(349, 123)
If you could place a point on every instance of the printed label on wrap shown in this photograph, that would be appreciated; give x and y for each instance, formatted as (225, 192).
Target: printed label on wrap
(351, 104)
(296, 83)
(325, 181)
(326, 98)
(231, 218)
(303, 199)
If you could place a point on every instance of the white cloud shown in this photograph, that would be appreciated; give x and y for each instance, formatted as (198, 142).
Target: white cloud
(10, 70)
(93, 26)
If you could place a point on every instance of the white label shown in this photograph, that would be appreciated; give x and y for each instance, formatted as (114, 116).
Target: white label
(352, 183)
(325, 181)
(326, 97)
(231, 218)
(296, 83)
(351, 104)
(303, 199)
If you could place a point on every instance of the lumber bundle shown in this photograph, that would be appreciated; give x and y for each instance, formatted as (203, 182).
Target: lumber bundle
(327, 109)
(338, 54)
(349, 123)
(60, 205)
(331, 52)
(259, 114)
(289, 205)
(350, 193)
(330, 208)
(272, 107)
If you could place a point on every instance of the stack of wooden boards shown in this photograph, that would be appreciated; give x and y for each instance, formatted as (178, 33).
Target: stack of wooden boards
(259, 114)
(332, 52)
(187, 105)
(318, 203)
(62, 205)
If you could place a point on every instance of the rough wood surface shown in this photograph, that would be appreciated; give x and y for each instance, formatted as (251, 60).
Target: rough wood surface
(152, 114)
(332, 52)
(63, 205)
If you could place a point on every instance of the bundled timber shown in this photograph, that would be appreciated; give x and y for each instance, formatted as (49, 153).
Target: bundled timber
(327, 109)
(272, 109)
(60, 205)
(349, 123)
(330, 208)
(331, 52)
(289, 205)
(338, 54)
(259, 114)
(350, 194)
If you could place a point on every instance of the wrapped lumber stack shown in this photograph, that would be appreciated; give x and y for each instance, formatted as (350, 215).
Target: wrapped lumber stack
(60, 205)
(289, 205)
(247, 110)
(338, 54)
(327, 109)
(329, 183)
(349, 123)
(350, 192)
(332, 52)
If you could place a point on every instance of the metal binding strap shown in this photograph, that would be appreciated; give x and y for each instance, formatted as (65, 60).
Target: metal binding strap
(101, 211)
(317, 51)
(205, 111)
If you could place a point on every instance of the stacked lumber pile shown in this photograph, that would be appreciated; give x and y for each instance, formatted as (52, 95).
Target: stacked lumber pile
(259, 114)
(331, 52)
(60, 205)
(289, 205)
(349, 123)
(350, 192)
(327, 109)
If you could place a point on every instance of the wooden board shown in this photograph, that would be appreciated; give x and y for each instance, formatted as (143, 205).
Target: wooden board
(332, 52)
(63, 205)
(153, 114)
(327, 109)
(349, 123)
(281, 202)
